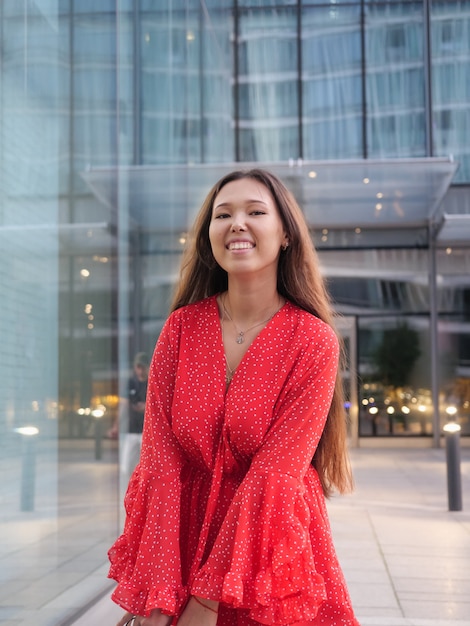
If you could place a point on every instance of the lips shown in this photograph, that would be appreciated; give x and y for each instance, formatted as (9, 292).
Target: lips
(240, 245)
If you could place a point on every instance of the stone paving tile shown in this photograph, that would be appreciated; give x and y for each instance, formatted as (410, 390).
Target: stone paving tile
(405, 556)
(394, 621)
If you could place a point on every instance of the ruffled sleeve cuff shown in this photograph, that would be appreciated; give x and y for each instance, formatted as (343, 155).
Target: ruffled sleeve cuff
(168, 599)
(147, 542)
(266, 564)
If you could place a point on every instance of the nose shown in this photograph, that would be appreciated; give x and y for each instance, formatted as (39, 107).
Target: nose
(237, 226)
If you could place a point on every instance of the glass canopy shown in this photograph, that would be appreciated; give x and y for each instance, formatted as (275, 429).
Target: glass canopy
(454, 230)
(391, 194)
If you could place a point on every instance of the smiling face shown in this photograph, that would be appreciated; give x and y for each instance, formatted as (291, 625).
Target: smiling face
(246, 232)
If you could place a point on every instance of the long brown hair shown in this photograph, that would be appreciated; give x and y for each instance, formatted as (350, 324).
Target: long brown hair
(298, 280)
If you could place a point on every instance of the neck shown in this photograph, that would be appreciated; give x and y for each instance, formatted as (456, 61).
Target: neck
(249, 305)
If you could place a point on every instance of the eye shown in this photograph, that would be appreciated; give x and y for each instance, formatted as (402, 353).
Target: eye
(258, 212)
(221, 216)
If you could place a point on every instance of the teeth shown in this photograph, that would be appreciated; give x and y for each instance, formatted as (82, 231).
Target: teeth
(240, 245)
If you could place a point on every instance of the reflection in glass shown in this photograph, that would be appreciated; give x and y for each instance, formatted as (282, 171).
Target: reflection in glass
(450, 38)
(58, 493)
(86, 272)
(332, 83)
(395, 80)
(268, 85)
(454, 336)
(185, 94)
(395, 395)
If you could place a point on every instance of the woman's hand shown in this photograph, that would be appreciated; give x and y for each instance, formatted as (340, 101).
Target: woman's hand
(203, 613)
(156, 618)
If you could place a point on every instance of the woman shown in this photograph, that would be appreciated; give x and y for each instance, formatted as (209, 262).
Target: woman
(226, 519)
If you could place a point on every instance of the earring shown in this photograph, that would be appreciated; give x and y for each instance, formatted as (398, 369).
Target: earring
(285, 246)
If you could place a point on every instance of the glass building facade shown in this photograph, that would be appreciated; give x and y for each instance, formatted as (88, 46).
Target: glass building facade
(115, 117)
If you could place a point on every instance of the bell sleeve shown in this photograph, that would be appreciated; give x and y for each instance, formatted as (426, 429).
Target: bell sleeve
(262, 558)
(145, 559)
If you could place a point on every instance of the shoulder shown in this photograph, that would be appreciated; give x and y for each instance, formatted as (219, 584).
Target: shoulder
(193, 311)
(195, 308)
(309, 329)
(182, 324)
(306, 322)
(191, 315)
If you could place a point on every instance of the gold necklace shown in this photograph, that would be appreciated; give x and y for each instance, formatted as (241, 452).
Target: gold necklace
(229, 372)
(240, 338)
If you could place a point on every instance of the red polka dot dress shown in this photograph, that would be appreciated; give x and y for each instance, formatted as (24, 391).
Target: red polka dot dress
(225, 503)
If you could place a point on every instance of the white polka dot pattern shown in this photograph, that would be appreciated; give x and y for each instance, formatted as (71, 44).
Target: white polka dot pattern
(225, 503)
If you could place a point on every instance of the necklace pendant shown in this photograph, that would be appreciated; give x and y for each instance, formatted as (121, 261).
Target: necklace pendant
(240, 338)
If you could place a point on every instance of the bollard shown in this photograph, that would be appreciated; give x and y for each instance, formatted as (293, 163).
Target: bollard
(454, 478)
(98, 414)
(98, 438)
(28, 466)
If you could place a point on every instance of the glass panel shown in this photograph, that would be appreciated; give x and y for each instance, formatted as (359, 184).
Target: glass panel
(364, 238)
(346, 326)
(127, 103)
(29, 265)
(21, 39)
(395, 80)
(450, 37)
(394, 373)
(394, 352)
(334, 4)
(94, 93)
(159, 267)
(186, 92)
(454, 336)
(331, 83)
(91, 6)
(387, 290)
(268, 85)
(57, 340)
(265, 3)
(367, 281)
(454, 374)
(217, 105)
(454, 280)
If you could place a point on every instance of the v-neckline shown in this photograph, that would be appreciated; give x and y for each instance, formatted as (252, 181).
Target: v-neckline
(222, 355)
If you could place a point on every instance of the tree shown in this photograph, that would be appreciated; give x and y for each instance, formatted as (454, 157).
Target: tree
(397, 354)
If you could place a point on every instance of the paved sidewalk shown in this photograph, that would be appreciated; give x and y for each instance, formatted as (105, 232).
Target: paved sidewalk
(405, 556)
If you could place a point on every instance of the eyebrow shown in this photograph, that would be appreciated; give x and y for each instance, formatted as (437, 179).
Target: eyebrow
(227, 204)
